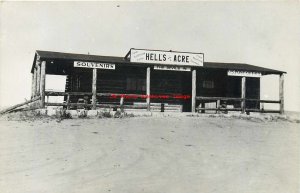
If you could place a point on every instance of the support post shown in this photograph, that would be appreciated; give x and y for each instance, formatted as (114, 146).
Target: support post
(218, 106)
(148, 88)
(194, 91)
(34, 82)
(94, 88)
(122, 103)
(42, 83)
(68, 102)
(243, 94)
(281, 93)
(38, 77)
(202, 106)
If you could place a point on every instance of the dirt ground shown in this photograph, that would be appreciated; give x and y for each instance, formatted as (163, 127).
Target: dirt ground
(149, 154)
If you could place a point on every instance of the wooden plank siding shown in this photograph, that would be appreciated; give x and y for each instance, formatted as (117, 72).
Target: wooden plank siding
(162, 83)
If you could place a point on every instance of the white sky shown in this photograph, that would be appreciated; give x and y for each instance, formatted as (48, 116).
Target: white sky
(265, 34)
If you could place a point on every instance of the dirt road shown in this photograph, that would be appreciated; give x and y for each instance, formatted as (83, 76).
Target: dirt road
(152, 155)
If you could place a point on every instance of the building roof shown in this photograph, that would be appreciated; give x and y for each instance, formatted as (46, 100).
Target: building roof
(49, 55)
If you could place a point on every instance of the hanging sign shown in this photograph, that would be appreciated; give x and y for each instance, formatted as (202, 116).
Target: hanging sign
(94, 65)
(174, 68)
(243, 73)
(164, 57)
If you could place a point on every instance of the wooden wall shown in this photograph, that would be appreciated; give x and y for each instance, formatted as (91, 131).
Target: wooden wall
(162, 83)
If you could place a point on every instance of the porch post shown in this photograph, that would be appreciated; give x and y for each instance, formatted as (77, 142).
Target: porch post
(34, 83)
(94, 88)
(42, 83)
(194, 91)
(243, 94)
(38, 78)
(148, 88)
(281, 93)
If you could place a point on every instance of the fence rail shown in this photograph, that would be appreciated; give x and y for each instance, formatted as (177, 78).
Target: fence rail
(122, 106)
(151, 106)
(243, 101)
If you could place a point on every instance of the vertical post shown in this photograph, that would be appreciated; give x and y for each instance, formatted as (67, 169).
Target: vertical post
(148, 88)
(94, 88)
(218, 106)
(202, 106)
(42, 83)
(68, 101)
(281, 93)
(243, 94)
(122, 103)
(162, 107)
(38, 77)
(194, 91)
(34, 82)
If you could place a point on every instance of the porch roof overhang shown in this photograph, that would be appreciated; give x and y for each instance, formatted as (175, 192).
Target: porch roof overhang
(51, 56)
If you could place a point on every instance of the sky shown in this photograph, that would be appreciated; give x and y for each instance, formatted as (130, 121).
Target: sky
(265, 34)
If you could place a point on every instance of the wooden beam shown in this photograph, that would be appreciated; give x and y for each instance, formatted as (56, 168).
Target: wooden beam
(148, 88)
(243, 94)
(94, 88)
(218, 106)
(18, 105)
(218, 109)
(194, 91)
(281, 93)
(42, 83)
(34, 82)
(68, 102)
(218, 98)
(122, 104)
(38, 77)
(202, 106)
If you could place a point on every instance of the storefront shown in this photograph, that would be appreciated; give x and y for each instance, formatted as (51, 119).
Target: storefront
(153, 80)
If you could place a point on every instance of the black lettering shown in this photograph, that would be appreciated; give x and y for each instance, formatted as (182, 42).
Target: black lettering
(183, 58)
(147, 56)
(175, 59)
(179, 58)
(164, 57)
(151, 56)
(187, 59)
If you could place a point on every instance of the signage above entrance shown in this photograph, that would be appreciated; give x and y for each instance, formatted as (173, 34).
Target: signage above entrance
(243, 73)
(174, 68)
(94, 65)
(165, 57)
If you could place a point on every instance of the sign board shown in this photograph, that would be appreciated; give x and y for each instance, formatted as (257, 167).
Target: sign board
(94, 65)
(243, 73)
(174, 68)
(164, 57)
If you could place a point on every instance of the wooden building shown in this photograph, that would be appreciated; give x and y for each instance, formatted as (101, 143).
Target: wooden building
(153, 80)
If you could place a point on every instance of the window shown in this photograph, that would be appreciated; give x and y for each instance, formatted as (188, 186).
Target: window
(208, 84)
(136, 84)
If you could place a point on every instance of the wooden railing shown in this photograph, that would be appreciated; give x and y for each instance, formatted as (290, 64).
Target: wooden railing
(218, 100)
(13, 108)
(243, 102)
(115, 105)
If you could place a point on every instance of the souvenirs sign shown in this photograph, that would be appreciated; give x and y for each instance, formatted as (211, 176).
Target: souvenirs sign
(243, 73)
(168, 58)
(94, 65)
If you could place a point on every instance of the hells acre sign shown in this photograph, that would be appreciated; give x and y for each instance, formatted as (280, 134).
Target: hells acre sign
(165, 57)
